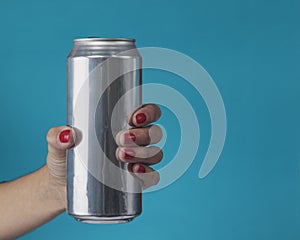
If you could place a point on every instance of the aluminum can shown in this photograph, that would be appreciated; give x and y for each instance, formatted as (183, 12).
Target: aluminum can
(103, 88)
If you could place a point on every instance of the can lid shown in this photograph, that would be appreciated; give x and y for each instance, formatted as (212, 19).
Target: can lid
(106, 40)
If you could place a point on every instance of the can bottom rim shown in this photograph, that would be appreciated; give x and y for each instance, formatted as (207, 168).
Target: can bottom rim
(104, 220)
(99, 221)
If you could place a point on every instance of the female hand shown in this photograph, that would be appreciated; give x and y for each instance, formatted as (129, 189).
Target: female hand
(40, 196)
(132, 149)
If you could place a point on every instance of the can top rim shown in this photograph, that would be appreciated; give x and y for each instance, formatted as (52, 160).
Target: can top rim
(97, 39)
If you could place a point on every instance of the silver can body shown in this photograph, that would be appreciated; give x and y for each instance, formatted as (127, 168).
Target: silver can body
(103, 88)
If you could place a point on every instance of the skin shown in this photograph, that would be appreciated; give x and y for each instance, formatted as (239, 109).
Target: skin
(32, 200)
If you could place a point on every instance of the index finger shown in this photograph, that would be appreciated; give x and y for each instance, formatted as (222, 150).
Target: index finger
(145, 115)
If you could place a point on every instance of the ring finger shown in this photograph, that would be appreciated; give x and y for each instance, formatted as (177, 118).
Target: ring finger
(146, 155)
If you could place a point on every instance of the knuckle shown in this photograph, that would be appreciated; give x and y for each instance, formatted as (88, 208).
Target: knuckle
(50, 134)
(160, 132)
(147, 137)
(155, 133)
(146, 153)
(156, 110)
(160, 156)
(155, 178)
(152, 152)
(156, 129)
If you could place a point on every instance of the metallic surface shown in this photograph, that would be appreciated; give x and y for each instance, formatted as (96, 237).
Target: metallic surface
(100, 71)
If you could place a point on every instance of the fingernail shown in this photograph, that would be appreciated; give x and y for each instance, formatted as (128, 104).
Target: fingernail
(140, 118)
(129, 138)
(64, 136)
(141, 169)
(129, 154)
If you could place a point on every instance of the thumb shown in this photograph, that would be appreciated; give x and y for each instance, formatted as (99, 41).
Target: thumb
(59, 140)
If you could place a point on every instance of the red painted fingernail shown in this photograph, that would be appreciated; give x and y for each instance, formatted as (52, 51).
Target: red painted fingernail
(129, 138)
(64, 136)
(141, 169)
(129, 154)
(140, 118)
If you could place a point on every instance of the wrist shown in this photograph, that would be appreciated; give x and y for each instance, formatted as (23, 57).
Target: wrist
(55, 190)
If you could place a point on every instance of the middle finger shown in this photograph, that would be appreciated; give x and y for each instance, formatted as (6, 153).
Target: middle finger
(139, 136)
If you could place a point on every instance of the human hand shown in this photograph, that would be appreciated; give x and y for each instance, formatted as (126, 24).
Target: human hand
(132, 149)
(133, 144)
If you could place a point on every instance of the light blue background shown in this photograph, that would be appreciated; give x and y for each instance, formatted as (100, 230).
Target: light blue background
(250, 48)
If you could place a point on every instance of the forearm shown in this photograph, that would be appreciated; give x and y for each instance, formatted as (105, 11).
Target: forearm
(29, 202)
